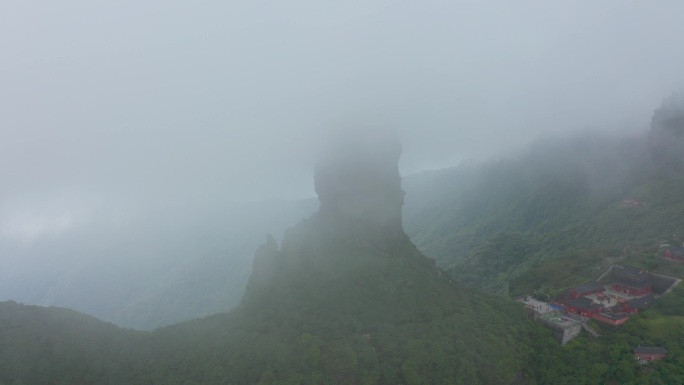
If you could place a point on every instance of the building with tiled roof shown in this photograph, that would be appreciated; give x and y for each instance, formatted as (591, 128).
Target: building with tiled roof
(645, 354)
(586, 289)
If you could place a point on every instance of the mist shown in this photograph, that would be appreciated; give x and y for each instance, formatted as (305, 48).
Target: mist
(188, 100)
(119, 120)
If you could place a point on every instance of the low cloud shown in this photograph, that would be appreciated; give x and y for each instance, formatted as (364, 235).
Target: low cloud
(26, 227)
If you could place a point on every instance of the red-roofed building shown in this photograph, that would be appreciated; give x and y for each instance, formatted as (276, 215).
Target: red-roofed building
(645, 354)
(586, 289)
(675, 254)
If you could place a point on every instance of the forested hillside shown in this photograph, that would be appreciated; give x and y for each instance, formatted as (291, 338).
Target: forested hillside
(490, 223)
(41, 345)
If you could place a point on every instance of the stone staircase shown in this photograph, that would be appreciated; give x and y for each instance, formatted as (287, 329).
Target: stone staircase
(590, 330)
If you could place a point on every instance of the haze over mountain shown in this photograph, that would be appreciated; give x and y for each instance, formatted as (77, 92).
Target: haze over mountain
(121, 119)
(146, 149)
(167, 266)
(162, 267)
(562, 199)
(345, 299)
(166, 101)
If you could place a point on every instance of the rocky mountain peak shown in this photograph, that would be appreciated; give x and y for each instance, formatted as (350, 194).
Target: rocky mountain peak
(358, 184)
(667, 133)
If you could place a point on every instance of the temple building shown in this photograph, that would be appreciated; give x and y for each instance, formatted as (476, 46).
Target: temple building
(646, 354)
(619, 293)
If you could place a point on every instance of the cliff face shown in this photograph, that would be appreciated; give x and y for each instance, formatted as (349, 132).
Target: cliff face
(667, 133)
(350, 280)
(359, 187)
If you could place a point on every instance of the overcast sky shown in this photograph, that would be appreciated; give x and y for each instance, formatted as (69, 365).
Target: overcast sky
(104, 103)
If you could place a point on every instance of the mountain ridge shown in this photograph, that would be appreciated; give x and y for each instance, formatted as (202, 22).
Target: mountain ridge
(345, 299)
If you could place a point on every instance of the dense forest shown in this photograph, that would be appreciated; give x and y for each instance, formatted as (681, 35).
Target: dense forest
(490, 223)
